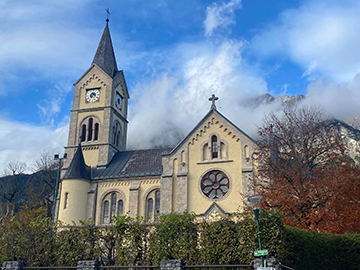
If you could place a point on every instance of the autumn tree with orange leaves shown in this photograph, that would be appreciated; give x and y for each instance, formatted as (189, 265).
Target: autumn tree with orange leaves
(306, 172)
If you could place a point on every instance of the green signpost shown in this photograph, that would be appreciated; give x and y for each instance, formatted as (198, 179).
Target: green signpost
(261, 252)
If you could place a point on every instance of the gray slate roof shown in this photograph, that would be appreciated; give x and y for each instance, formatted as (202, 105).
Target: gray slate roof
(77, 168)
(135, 163)
(105, 56)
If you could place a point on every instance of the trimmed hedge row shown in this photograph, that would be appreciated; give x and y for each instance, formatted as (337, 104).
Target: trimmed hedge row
(311, 250)
(31, 238)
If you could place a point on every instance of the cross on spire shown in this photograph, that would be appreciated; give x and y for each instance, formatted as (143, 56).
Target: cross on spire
(213, 99)
(107, 14)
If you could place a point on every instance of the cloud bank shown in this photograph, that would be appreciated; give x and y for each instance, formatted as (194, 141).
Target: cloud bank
(220, 16)
(24, 142)
(320, 36)
(174, 82)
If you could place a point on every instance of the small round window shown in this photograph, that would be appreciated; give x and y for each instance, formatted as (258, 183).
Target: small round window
(215, 184)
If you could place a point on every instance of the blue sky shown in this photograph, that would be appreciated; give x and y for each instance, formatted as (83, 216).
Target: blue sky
(175, 54)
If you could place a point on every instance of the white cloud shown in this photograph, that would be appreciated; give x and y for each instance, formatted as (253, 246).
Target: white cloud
(321, 36)
(220, 16)
(51, 106)
(38, 40)
(340, 100)
(169, 105)
(24, 142)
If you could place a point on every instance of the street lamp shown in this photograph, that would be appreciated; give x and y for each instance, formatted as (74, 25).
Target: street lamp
(256, 201)
(56, 157)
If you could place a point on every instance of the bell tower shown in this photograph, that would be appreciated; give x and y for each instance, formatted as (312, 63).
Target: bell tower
(99, 114)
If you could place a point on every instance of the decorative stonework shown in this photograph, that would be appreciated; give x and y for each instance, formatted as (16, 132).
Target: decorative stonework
(13, 265)
(150, 182)
(93, 77)
(216, 120)
(87, 148)
(114, 184)
(171, 265)
(88, 265)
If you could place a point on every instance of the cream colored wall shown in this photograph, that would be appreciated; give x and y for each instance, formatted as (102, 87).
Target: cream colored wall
(91, 156)
(77, 200)
(198, 202)
(146, 186)
(83, 115)
(105, 188)
(92, 83)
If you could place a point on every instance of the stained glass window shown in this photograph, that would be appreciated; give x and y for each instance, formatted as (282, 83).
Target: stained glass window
(113, 204)
(150, 205)
(106, 210)
(215, 184)
(214, 147)
(120, 207)
(157, 202)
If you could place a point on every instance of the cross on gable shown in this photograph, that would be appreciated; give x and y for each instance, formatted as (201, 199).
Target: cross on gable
(213, 99)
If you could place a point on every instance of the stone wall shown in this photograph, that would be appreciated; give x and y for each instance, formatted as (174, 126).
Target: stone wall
(164, 265)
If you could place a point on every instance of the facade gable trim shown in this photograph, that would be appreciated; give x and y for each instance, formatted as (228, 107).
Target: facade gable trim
(207, 125)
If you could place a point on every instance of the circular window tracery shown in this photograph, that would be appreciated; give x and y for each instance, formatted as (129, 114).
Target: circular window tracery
(215, 184)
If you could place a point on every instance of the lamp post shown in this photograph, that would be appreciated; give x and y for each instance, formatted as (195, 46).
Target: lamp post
(256, 201)
(56, 157)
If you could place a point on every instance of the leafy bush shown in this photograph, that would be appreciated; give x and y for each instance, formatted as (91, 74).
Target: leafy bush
(34, 239)
(175, 237)
(311, 250)
(28, 237)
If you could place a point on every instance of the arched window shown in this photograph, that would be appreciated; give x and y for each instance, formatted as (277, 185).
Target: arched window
(214, 147)
(157, 202)
(114, 135)
(150, 208)
(106, 210)
(83, 132)
(89, 129)
(247, 154)
(117, 138)
(66, 200)
(183, 157)
(113, 205)
(120, 210)
(90, 132)
(96, 133)
(117, 135)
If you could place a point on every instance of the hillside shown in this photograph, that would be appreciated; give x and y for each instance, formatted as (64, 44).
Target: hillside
(31, 190)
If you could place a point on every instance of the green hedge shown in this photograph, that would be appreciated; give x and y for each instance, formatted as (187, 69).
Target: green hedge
(316, 251)
(35, 240)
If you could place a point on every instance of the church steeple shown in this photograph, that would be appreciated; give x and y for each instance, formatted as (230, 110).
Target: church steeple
(99, 113)
(105, 56)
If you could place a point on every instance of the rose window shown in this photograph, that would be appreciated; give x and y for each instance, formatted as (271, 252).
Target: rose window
(215, 184)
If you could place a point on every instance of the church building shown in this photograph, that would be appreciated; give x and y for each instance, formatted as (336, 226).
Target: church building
(211, 171)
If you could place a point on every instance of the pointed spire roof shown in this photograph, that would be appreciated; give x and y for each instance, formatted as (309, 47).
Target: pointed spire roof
(77, 168)
(105, 56)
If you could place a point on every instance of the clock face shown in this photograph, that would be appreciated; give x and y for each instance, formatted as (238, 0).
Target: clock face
(92, 95)
(118, 101)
